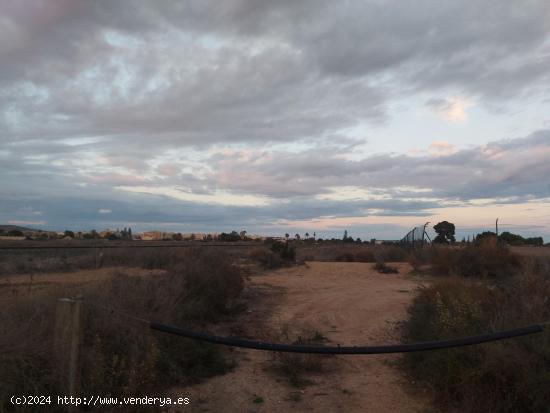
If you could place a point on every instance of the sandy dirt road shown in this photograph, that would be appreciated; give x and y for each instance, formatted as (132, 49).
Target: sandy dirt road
(351, 304)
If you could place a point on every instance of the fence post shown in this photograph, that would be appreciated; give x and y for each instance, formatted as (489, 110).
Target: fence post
(68, 331)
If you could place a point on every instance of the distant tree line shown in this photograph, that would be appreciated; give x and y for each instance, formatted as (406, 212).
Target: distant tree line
(511, 239)
(446, 235)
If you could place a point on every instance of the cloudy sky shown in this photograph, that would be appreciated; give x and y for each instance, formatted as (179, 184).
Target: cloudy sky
(275, 116)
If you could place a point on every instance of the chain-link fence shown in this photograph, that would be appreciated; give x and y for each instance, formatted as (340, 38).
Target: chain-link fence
(416, 237)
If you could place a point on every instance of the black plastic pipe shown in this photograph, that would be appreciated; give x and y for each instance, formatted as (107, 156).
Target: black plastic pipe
(395, 348)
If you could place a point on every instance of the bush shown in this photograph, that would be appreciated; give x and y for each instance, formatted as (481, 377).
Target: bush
(204, 288)
(279, 255)
(487, 259)
(504, 376)
(285, 250)
(383, 268)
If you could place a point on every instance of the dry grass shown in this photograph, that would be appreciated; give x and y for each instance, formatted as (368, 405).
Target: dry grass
(279, 254)
(297, 368)
(348, 252)
(120, 356)
(506, 376)
(384, 268)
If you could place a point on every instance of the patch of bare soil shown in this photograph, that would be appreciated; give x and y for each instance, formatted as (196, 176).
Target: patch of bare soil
(350, 304)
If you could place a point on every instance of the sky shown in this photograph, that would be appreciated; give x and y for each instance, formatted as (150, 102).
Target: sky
(276, 116)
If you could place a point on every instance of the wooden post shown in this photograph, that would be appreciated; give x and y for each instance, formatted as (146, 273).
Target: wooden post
(68, 331)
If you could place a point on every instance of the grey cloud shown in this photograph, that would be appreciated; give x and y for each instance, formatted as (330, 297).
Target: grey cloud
(516, 167)
(199, 72)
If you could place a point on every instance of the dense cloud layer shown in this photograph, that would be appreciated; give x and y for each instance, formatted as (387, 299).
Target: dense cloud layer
(238, 113)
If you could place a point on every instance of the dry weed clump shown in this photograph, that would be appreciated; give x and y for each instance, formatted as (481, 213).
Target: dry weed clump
(25, 356)
(297, 368)
(121, 356)
(280, 254)
(384, 268)
(505, 376)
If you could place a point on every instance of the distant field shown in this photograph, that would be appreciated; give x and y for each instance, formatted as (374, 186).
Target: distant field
(532, 251)
(10, 243)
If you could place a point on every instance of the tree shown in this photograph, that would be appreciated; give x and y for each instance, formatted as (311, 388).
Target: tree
(69, 233)
(307, 235)
(538, 241)
(231, 237)
(297, 236)
(15, 233)
(346, 237)
(484, 235)
(243, 235)
(511, 239)
(287, 235)
(445, 232)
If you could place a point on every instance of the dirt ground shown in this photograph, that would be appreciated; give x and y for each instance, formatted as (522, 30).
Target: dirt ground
(350, 304)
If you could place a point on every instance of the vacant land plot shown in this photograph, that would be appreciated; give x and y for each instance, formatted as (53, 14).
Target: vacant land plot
(349, 304)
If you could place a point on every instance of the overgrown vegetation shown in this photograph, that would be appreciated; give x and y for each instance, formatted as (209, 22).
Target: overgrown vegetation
(278, 255)
(384, 268)
(120, 356)
(297, 367)
(489, 289)
(486, 259)
(367, 253)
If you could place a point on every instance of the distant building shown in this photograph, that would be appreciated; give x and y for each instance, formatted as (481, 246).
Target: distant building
(155, 235)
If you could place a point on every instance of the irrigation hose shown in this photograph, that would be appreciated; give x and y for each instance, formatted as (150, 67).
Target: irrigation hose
(396, 348)
(297, 348)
